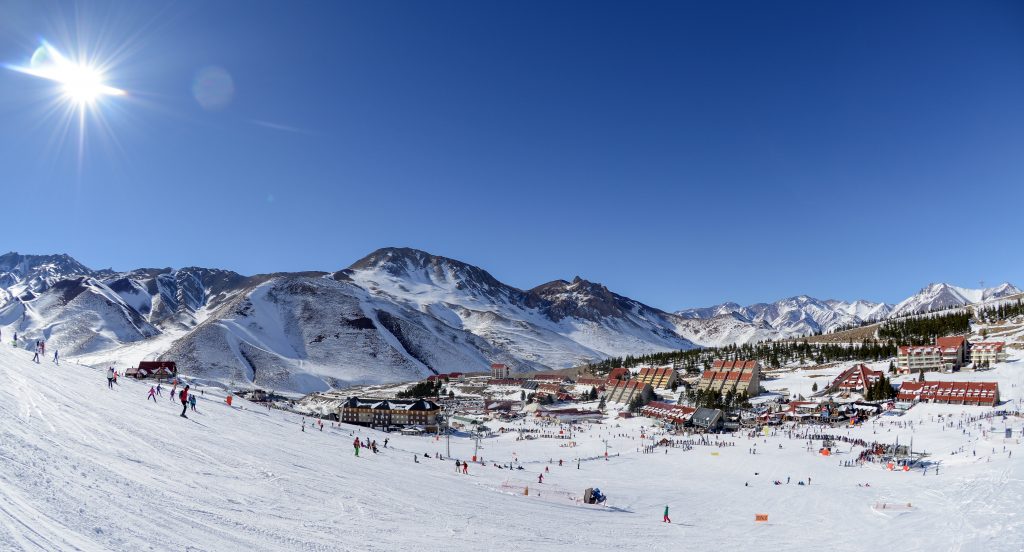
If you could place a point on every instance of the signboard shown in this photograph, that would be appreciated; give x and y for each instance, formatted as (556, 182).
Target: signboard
(760, 517)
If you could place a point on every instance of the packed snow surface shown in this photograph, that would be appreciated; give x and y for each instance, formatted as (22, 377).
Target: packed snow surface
(87, 468)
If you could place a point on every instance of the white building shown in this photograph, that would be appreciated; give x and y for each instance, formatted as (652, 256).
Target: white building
(987, 352)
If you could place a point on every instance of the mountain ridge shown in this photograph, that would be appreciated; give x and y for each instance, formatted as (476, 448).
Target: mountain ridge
(396, 313)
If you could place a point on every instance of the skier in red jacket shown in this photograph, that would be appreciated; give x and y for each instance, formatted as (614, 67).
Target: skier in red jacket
(183, 396)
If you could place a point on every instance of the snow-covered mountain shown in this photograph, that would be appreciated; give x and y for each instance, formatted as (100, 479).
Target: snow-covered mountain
(20, 274)
(396, 314)
(795, 316)
(942, 296)
(558, 324)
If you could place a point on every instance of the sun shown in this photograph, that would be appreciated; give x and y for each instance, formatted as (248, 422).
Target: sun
(81, 84)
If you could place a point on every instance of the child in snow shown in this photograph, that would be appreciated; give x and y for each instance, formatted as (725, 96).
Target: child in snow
(152, 393)
(666, 518)
(192, 402)
(158, 390)
(110, 377)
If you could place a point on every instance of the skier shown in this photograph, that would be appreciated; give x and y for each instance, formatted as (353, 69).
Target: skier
(159, 390)
(465, 468)
(458, 465)
(174, 390)
(191, 402)
(540, 478)
(55, 359)
(184, 401)
(35, 357)
(152, 394)
(385, 442)
(666, 518)
(356, 444)
(42, 347)
(110, 377)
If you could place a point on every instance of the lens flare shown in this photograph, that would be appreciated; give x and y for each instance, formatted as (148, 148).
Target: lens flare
(80, 83)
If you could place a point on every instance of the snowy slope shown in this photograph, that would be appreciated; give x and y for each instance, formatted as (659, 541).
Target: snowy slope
(92, 469)
(77, 316)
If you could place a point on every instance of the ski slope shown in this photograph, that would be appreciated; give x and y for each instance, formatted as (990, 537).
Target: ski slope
(87, 468)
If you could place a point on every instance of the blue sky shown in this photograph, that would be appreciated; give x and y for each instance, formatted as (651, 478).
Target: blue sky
(681, 153)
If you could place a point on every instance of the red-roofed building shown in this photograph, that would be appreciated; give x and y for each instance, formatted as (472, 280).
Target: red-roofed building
(599, 383)
(857, 379)
(509, 382)
(548, 378)
(978, 393)
(153, 369)
(673, 413)
(659, 378)
(987, 352)
(618, 374)
(500, 371)
(948, 353)
(624, 392)
(738, 376)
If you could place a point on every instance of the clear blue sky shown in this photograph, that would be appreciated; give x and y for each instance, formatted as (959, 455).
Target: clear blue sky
(681, 153)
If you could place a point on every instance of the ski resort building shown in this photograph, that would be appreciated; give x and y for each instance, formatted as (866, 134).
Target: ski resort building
(385, 413)
(598, 383)
(738, 376)
(672, 413)
(506, 382)
(987, 352)
(153, 369)
(618, 373)
(976, 393)
(659, 378)
(549, 378)
(624, 392)
(856, 379)
(948, 353)
(500, 371)
(708, 419)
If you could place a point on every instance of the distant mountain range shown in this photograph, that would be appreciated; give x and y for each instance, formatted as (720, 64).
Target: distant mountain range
(397, 314)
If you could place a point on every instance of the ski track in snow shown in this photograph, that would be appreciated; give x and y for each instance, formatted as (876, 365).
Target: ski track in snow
(91, 469)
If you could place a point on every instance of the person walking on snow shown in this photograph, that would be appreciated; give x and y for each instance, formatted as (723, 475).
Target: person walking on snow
(356, 444)
(666, 518)
(540, 478)
(35, 357)
(192, 402)
(184, 401)
(152, 394)
(158, 390)
(465, 468)
(458, 465)
(110, 377)
(174, 391)
(55, 359)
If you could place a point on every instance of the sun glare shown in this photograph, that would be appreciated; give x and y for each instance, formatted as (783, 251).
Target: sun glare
(80, 83)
